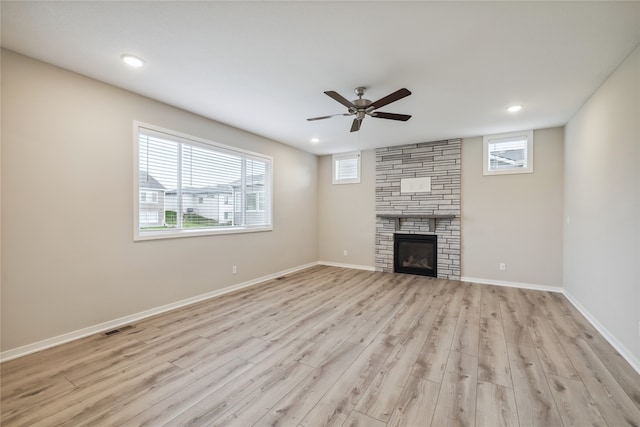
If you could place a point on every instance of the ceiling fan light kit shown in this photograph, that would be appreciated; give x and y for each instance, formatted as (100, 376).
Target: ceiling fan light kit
(363, 107)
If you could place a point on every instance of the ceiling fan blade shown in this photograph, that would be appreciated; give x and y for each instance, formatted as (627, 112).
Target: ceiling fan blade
(391, 116)
(327, 117)
(355, 126)
(399, 94)
(341, 99)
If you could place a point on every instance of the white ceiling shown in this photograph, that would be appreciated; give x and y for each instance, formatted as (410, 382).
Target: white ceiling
(263, 66)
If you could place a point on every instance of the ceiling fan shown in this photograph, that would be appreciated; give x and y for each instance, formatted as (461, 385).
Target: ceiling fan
(364, 107)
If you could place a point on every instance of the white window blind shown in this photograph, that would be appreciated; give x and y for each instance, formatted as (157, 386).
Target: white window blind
(200, 187)
(508, 153)
(346, 168)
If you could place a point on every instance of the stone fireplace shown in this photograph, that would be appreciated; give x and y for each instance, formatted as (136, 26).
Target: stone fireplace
(418, 189)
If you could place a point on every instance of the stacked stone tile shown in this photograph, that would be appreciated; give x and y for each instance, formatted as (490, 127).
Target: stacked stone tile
(439, 160)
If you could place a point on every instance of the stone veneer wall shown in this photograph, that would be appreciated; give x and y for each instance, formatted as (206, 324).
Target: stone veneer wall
(439, 160)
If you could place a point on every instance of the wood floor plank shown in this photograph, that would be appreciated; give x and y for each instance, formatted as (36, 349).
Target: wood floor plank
(255, 393)
(534, 400)
(490, 302)
(416, 404)
(316, 311)
(496, 406)
(78, 409)
(493, 359)
(409, 310)
(248, 410)
(612, 401)
(467, 335)
(170, 349)
(330, 346)
(35, 394)
(70, 360)
(357, 419)
(617, 366)
(550, 352)
(340, 400)
(160, 402)
(432, 360)
(197, 403)
(102, 385)
(378, 319)
(456, 404)
(381, 396)
(574, 403)
(294, 405)
(513, 320)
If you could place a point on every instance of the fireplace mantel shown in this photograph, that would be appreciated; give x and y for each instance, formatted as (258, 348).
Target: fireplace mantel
(431, 218)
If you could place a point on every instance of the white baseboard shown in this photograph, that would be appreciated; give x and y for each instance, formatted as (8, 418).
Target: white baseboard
(620, 348)
(354, 266)
(512, 284)
(112, 324)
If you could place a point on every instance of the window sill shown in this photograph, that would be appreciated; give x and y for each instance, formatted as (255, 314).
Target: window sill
(176, 234)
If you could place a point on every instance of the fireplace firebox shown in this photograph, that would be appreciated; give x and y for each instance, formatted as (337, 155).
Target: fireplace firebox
(415, 254)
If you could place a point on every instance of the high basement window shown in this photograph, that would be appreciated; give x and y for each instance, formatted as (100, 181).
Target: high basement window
(346, 168)
(187, 186)
(508, 153)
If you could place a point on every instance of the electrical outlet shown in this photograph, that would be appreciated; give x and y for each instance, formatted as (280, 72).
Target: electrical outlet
(345, 252)
(503, 266)
(234, 269)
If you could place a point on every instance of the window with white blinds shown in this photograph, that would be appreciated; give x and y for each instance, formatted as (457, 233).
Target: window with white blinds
(187, 186)
(508, 153)
(346, 168)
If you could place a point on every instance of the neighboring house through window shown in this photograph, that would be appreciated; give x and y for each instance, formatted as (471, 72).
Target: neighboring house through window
(151, 205)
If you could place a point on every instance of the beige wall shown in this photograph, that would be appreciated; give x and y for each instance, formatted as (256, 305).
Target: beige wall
(514, 219)
(602, 203)
(347, 215)
(68, 257)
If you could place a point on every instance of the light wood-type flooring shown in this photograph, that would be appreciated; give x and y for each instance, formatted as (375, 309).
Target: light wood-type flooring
(329, 346)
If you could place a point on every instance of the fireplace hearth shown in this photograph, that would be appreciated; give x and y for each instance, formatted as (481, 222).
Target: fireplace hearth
(416, 254)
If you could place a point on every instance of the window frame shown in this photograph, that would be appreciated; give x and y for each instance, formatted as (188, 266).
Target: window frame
(346, 156)
(142, 235)
(488, 139)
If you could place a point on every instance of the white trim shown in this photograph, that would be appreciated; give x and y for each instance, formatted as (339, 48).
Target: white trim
(185, 232)
(354, 266)
(520, 285)
(620, 348)
(112, 324)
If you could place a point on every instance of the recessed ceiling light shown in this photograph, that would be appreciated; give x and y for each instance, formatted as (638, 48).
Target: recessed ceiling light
(132, 61)
(315, 140)
(514, 108)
